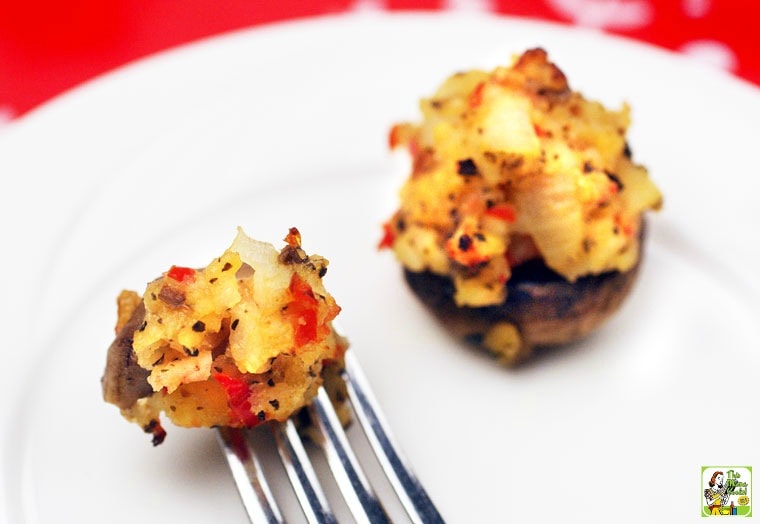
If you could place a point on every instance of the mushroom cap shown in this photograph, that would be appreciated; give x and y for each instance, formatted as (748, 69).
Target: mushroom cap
(546, 309)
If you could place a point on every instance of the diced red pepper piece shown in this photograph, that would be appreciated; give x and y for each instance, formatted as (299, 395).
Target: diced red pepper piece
(394, 138)
(302, 311)
(181, 274)
(238, 399)
(293, 237)
(476, 96)
(389, 237)
(504, 212)
(540, 131)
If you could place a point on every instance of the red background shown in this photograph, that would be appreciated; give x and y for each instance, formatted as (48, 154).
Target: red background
(49, 46)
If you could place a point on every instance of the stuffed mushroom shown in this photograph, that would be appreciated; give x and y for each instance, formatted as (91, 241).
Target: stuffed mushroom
(245, 340)
(522, 222)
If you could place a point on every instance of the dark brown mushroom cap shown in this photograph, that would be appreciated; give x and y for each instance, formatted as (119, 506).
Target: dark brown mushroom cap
(546, 309)
(124, 381)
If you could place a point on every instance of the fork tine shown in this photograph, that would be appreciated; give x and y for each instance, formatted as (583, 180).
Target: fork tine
(412, 495)
(353, 484)
(351, 479)
(302, 476)
(249, 477)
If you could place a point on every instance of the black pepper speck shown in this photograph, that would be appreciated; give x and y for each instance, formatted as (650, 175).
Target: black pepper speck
(465, 242)
(467, 167)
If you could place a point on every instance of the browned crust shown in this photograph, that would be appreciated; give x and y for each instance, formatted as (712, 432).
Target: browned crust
(546, 309)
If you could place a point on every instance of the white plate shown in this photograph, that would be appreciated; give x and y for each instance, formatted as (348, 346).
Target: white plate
(158, 162)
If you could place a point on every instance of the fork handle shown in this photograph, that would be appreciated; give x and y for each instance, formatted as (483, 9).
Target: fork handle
(413, 496)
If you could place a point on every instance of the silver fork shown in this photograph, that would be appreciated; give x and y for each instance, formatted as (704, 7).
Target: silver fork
(363, 502)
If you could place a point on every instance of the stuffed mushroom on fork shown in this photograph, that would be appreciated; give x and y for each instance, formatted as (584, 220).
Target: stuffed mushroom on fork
(245, 340)
(522, 221)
